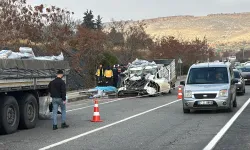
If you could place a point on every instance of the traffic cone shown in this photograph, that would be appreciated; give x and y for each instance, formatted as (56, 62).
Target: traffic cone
(96, 115)
(179, 97)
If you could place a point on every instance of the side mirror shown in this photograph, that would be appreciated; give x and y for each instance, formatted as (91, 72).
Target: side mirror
(182, 83)
(234, 81)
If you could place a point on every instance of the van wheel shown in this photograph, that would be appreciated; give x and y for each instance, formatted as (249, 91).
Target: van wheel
(230, 108)
(185, 111)
(10, 115)
(235, 102)
(173, 86)
(120, 94)
(169, 92)
(28, 111)
(243, 92)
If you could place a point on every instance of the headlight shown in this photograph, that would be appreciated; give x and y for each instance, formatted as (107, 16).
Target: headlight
(239, 82)
(223, 93)
(188, 93)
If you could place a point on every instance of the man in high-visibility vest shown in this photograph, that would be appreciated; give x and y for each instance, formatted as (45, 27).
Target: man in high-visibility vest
(99, 75)
(108, 74)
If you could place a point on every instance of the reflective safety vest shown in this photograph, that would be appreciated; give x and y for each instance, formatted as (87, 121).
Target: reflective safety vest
(98, 72)
(108, 73)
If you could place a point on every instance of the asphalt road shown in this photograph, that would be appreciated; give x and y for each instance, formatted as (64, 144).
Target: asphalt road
(150, 123)
(237, 137)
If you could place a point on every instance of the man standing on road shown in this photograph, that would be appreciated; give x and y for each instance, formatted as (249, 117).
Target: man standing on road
(99, 75)
(108, 74)
(57, 89)
(115, 74)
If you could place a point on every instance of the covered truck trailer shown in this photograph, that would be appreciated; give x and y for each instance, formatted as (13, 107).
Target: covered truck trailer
(171, 70)
(24, 91)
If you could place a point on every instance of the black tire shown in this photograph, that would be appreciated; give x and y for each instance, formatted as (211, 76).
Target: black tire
(185, 111)
(235, 102)
(9, 115)
(120, 94)
(169, 92)
(28, 111)
(173, 86)
(243, 92)
(153, 95)
(230, 108)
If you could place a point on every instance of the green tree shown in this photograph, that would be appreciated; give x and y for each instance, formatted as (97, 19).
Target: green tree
(88, 20)
(109, 59)
(99, 24)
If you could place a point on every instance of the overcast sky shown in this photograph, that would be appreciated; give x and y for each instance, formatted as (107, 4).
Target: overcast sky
(143, 9)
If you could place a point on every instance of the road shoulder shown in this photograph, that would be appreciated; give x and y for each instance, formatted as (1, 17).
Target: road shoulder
(237, 137)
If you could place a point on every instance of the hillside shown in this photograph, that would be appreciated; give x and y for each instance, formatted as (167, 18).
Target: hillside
(223, 31)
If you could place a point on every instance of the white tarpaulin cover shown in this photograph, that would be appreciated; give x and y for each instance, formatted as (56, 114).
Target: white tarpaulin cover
(59, 57)
(141, 63)
(27, 53)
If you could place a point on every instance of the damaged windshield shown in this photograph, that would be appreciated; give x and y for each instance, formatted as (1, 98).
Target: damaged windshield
(152, 71)
(137, 72)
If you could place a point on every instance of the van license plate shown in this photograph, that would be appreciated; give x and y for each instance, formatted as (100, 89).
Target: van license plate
(205, 103)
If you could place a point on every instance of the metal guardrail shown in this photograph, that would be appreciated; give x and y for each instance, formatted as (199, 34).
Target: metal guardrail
(81, 93)
(74, 95)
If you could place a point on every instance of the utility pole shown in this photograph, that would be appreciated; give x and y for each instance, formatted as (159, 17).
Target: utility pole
(180, 62)
(180, 69)
(243, 54)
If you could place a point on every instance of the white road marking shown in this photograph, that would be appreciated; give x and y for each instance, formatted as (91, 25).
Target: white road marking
(119, 99)
(104, 127)
(221, 133)
(71, 105)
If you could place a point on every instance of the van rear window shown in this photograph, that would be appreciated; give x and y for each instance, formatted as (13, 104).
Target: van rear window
(208, 75)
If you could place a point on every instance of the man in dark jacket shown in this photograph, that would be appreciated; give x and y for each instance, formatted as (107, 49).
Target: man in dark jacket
(115, 74)
(57, 89)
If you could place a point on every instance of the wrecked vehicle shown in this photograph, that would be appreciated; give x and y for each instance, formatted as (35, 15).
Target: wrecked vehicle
(148, 78)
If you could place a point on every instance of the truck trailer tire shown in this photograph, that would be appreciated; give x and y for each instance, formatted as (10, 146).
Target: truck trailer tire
(10, 114)
(28, 111)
